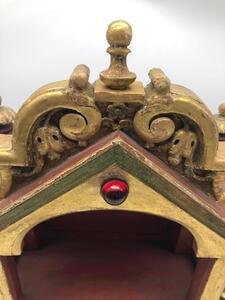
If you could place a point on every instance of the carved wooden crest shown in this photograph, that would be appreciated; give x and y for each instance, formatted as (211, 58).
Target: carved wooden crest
(65, 117)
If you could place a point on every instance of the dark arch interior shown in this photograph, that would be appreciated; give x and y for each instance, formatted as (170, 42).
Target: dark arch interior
(106, 255)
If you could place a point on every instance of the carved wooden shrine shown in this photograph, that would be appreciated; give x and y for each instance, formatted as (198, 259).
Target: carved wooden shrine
(112, 190)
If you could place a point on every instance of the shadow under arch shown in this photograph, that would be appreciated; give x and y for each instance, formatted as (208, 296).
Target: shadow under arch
(120, 242)
(196, 237)
(128, 218)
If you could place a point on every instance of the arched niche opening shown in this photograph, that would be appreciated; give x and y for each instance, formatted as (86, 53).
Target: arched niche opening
(107, 255)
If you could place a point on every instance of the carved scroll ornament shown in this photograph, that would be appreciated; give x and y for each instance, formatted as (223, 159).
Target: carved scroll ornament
(64, 117)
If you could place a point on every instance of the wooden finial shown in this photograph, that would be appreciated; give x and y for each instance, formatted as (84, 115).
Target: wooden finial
(117, 76)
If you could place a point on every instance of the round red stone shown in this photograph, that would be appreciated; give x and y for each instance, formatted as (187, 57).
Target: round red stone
(115, 191)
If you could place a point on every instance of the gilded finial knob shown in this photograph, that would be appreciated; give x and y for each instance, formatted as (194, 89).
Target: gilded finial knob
(119, 33)
(117, 76)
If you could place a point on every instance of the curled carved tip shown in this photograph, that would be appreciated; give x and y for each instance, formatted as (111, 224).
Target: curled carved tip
(159, 80)
(222, 109)
(7, 118)
(79, 78)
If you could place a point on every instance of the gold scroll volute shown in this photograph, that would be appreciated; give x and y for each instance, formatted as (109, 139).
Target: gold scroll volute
(166, 102)
(42, 102)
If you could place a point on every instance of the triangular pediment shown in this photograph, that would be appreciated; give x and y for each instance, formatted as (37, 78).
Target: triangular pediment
(120, 150)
